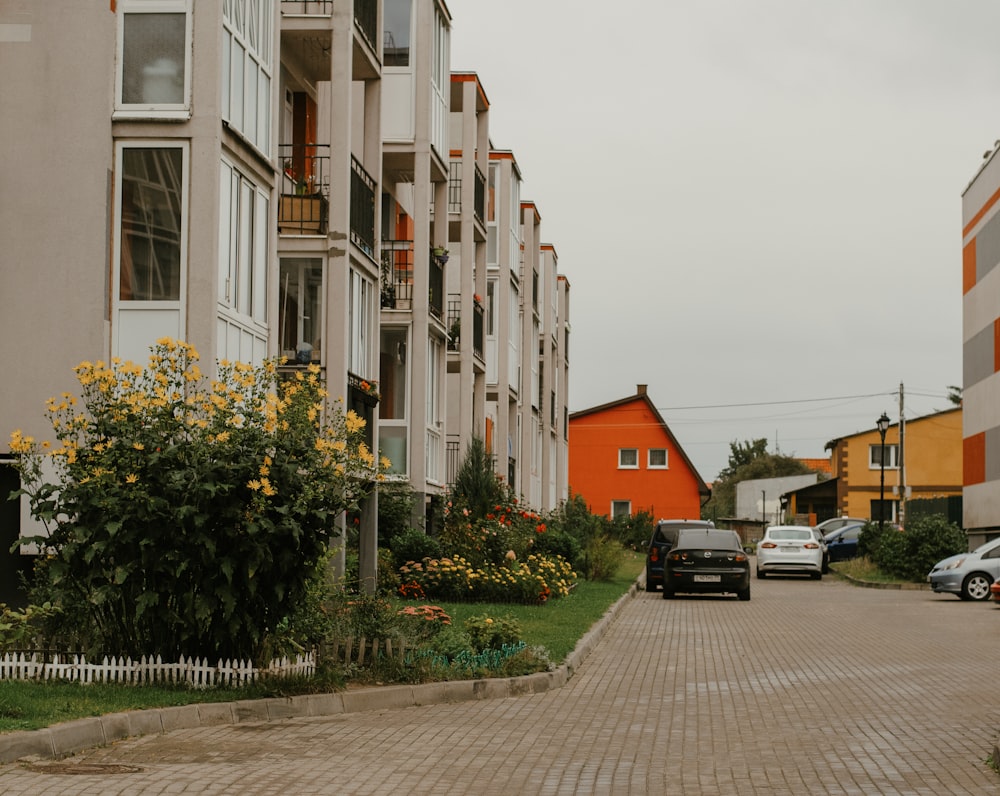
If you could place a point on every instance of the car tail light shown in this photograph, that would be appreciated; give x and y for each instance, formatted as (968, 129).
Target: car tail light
(741, 557)
(769, 545)
(811, 546)
(655, 555)
(678, 556)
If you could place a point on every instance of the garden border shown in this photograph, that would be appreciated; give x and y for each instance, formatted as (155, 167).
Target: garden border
(67, 738)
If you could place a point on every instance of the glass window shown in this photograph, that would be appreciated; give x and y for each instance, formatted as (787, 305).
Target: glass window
(361, 313)
(621, 508)
(151, 191)
(243, 237)
(657, 458)
(628, 458)
(396, 21)
(246, 68)
(300, 309)
(392, 374)
(154, 57)
(877, 452)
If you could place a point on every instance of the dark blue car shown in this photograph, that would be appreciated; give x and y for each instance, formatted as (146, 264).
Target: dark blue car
(842, 544)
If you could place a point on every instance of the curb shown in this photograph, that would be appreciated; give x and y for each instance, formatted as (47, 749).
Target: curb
(870, 584)
(71, 737)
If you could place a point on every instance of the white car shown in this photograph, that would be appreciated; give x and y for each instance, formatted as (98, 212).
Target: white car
(789, 548)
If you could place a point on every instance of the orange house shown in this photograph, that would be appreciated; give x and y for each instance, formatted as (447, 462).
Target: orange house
(623, 459)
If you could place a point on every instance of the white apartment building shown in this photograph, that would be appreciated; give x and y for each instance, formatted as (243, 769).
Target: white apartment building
(260, 178)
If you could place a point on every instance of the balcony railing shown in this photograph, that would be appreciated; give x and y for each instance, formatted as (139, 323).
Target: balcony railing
(362, 208)
(478, 329)
(435, 297)
(397, 274)
(454, 321)
(304, 200)
(480, 196)
(452, 457)
(366, 18)
(307, 7)
(455, 186)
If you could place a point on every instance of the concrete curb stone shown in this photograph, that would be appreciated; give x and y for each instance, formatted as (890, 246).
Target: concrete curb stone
(70, 737)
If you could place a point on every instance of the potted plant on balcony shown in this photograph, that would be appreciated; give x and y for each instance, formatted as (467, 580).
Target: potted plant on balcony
(301, 211)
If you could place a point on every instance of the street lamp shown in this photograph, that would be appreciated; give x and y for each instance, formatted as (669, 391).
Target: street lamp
(882, 424)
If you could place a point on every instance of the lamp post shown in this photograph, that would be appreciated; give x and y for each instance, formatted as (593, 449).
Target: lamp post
(882, 424)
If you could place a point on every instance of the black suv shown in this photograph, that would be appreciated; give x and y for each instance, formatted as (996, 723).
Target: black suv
(664, 538)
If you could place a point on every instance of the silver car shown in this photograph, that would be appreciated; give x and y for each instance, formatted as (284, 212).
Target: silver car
(969, 575)
(789, 548)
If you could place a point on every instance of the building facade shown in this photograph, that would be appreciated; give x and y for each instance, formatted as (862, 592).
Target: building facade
(259, 178)
(981, 352)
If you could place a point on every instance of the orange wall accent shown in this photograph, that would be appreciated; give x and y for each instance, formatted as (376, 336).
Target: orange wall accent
(982, 212)
(969, 266)
(996, 345)
(594, 441)
(974, 459)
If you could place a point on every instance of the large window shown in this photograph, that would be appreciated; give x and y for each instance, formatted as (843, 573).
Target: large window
(154, 46)
(151, 250)
(877, 454)
(246, 68)
(362, 324)
(396, 22)
(393, 405)
(243, 237)
(300, 309)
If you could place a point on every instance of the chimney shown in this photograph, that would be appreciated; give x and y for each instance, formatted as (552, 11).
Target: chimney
(640, 389)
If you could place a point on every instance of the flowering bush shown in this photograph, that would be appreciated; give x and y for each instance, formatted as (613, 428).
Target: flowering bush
(487, 632)
(186, 516)
(484, 540)
(532, 581)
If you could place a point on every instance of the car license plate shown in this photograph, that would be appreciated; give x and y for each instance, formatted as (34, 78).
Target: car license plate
(789, 549)
(708, 578)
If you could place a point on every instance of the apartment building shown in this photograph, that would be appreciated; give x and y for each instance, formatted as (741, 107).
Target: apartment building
(302, 178)
(981, 352)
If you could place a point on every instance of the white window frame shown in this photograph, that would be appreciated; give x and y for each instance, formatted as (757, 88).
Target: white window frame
(622, 465)
(244, 237)
(893, 458)
(247, 78)
(361, 324)
(649, 459)
(304, 266)
(180, 110)
(616, 503)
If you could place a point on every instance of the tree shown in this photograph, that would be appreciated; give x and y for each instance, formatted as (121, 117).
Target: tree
(747, 461)
(188, 516)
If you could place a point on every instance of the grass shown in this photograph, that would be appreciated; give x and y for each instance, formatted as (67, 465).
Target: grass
(557, 626)
(864, 569)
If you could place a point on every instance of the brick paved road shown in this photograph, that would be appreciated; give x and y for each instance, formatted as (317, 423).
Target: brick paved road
(809, 688)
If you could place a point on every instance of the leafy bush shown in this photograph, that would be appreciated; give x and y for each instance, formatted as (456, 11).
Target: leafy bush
(559, 543)
(912, 553)
(487, 632)
(395, 511)
(187, 515)
(413, 545)
(602, 556)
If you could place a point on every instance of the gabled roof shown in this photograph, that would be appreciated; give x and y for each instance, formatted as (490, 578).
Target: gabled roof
(833, 442)
(642, 396)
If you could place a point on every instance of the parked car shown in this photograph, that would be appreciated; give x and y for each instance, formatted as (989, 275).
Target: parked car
(969, 575)
(842, 544)
(835, 523)
(822, 546)
(789, 549)
(707, 560)
(664, 538)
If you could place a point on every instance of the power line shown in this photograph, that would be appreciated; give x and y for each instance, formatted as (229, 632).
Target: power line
(775, 403)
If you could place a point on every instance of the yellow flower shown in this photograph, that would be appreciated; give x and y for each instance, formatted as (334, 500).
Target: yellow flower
(138, 446)
(254, 485)
(131, 478)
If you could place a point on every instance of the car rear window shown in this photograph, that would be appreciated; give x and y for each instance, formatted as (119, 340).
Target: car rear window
(710, 539)
(790, 534)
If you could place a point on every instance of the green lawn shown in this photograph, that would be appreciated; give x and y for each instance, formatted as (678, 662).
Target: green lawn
(557, 626)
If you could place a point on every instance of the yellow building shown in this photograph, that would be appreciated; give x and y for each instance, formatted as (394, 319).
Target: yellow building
(926, 463)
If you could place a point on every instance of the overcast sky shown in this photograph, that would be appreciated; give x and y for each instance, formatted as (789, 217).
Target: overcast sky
(757, 203)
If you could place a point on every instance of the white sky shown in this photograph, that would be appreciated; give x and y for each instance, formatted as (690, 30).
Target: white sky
(754, 201)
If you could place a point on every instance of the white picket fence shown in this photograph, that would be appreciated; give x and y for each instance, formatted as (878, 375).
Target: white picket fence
(198, 672)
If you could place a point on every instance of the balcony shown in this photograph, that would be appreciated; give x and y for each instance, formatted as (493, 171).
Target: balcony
(304, 199)
(455, 191)
(397, 275)
(435, 296)
(454, 324)
(362, 208)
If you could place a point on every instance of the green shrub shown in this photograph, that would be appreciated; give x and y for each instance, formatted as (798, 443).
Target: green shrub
(186, 514)
(395, 511)
(559, 543)
(487, 632)
(912, 553)
(413, 545)
(603, 556)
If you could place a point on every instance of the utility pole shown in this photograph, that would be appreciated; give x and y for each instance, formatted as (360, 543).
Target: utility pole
(902, 461)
